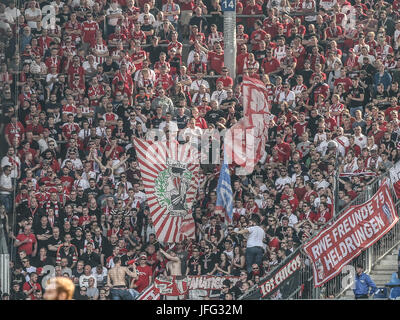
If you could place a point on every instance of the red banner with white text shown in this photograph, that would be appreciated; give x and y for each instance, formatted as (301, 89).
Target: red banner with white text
(357, 229)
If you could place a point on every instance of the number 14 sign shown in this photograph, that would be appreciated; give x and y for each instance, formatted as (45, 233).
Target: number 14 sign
(228, 5)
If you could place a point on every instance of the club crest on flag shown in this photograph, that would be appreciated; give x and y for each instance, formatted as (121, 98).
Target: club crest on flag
(171, 186)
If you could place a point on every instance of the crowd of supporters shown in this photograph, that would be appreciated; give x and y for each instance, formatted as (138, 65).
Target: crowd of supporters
(80, 79)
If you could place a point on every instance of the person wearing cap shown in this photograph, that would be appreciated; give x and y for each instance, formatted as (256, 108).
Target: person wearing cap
(145, 274)
(364, 286)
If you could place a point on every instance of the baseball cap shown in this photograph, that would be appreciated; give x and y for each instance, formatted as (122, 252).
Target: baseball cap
(75, 218)
(143, 255)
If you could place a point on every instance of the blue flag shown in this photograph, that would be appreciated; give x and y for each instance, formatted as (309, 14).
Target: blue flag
(224, 192)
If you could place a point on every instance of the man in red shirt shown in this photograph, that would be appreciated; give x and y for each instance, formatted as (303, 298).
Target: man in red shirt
(89, 28)
(270, 64)
(113, 151)
(14, 129)
(124, 76)
(241, 59)
(257, 35)
(138, 55)
(215, 59)
(252, 8)
(75, 69)
(344, 79)
(164, 79)
(32, 286)
(226, 80)
(283, 148)
(27, 242)
(145, 274)
(319, 87)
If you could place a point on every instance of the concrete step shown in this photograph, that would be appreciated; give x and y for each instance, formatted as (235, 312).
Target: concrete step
(390, 257)
(384, 267)
(388, 262)
(381, 277)
(382, 272)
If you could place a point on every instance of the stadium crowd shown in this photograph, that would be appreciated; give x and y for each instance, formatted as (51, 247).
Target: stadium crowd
(76, 90)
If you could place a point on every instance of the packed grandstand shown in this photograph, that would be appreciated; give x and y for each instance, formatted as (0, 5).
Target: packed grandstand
(92, 92)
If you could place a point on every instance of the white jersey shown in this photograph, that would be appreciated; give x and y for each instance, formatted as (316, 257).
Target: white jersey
(280, 53)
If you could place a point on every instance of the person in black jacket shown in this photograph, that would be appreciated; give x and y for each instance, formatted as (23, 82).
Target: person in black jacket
(90, 257)
(16, 293)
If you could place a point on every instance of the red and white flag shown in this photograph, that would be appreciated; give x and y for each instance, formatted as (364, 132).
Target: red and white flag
(170, 174)
(358, 228)
(150, 293)
(245, 141)
(255, 100)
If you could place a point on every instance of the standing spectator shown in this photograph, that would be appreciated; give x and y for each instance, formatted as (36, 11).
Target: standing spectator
(364, 287)
(255, 245)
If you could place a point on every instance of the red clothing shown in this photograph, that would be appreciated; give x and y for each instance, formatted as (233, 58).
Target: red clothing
(240, 61)
(115, 154)
(270, 65)
(300, 128)
(125, 78)
(227, 82)
(28, 246)
(323, 89)
(345, 81)
(143, 281)
(165, 80)
(201, 123)
(324, 216)
(89, 32)
(14, 130)
(257, 35)
(28, 286)
(284, 151)
(252, 10)
(216, 61)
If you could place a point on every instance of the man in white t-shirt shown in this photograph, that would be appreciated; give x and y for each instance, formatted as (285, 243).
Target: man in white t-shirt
(191, 134)
(5, 18)
(12, 11)
(114, 13)
(255, 244)
(172, 126)
(33, 15)
(12, 160)
(287, 95)
(6, 188)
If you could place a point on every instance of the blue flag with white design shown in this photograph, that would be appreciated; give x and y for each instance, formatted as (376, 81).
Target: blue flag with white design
(224, 192)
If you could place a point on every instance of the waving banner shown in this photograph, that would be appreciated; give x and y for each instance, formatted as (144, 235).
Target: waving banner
(170, 174)
(245, 140)
(357, 229)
